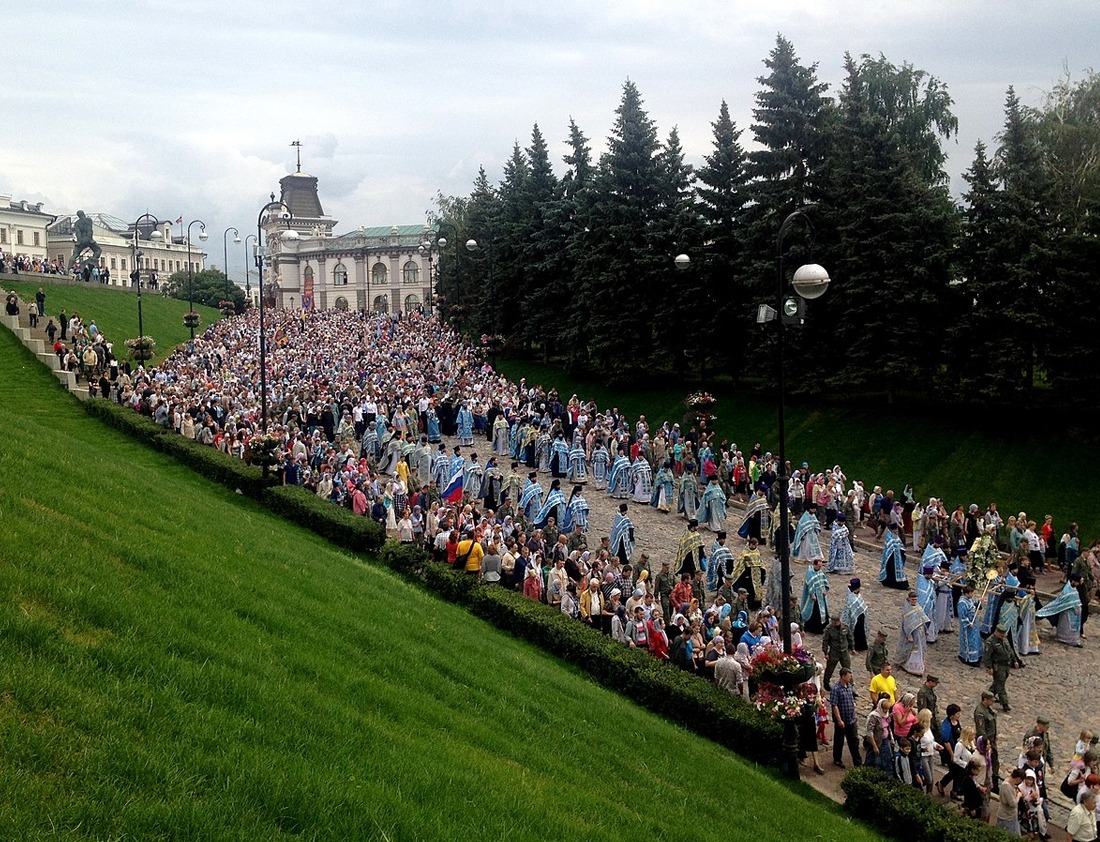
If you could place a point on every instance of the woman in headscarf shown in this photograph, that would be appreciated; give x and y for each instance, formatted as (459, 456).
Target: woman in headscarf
(796, 636)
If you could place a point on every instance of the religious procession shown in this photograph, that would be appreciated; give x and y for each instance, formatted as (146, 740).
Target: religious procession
(662, 537)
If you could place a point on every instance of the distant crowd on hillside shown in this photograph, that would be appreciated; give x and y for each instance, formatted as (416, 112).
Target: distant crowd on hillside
(23, 263)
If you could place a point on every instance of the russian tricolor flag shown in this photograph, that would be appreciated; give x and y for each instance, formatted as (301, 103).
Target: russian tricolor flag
(453, 492)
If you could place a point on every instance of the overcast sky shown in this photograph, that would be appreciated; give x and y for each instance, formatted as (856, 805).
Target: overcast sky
(188, 108)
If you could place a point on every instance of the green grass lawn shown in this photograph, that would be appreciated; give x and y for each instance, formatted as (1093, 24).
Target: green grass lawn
(961, 456)
(115, 310)
(179, 664)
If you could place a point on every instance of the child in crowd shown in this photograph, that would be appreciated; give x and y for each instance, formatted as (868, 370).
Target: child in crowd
(1083, 743)
(903, 762)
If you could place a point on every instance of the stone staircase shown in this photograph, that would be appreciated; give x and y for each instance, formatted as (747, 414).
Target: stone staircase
(39, 344)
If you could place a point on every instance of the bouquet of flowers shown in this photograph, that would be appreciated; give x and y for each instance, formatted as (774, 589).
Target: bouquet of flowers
(983, 560)
(699, 401)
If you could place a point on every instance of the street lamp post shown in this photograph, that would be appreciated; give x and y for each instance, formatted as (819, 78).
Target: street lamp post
(473, 246)
(442, 243)
(225, 255)
(135, 275)
(247, 270)
(809, 282)
(426, 250)
(192, 318)
(273, 209)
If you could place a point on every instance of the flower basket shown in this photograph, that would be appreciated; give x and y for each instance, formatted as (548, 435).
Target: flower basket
(785, 678)
(191, 319)
(264, 449)
(771, 665)
(699, 405)
(144, 348)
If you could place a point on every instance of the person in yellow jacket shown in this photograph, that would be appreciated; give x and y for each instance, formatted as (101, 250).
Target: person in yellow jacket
(471, 551)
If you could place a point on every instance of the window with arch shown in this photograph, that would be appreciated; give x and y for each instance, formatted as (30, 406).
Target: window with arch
(341, 303)
(412, 303)
(378, 274)
(381, 304)
(307, 276)
(340, 275)
(410, 272)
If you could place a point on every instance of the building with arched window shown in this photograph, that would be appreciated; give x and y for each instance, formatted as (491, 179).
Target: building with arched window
(380, 269)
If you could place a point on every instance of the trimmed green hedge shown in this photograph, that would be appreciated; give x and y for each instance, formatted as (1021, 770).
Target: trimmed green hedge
(215, 465)
(124, 419)
(904, 811)
(339, 525)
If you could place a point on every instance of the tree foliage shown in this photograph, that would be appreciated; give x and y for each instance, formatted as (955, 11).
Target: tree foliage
(209, 288)
(928, 297)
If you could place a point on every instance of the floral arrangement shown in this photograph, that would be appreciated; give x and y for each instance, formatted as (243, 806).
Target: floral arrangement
(227, 307)
(778, 704)
(983, 559)
(772, 660)
(699, 404)
(264, 448)
(699, 401)
(781, 691)
(143, 348)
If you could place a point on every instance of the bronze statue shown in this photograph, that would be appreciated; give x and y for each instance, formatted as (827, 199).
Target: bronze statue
(82, 232)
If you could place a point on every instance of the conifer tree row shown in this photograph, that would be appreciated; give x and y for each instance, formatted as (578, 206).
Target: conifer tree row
(983, 301)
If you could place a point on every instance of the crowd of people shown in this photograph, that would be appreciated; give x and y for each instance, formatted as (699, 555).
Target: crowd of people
(17, 264)
(381, 414)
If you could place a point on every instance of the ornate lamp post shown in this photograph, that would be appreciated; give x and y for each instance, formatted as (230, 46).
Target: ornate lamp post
(473, 246)
(809, 282)
(135, 275)
(247, 272)
(225, 255)
(192, 318)
(272, 210)
(442, 242)
(426, 250)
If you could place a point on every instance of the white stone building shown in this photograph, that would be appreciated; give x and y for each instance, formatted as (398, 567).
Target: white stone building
(382, 269)
(23, 228)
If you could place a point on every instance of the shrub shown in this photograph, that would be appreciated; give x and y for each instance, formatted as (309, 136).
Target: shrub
(124, 419)
(415, 563)
(890, 805)
(335, 523)
(215, 465)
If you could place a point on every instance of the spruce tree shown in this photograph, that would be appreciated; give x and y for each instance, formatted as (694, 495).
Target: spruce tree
(889, 231)
(722, 192)
(619, 274)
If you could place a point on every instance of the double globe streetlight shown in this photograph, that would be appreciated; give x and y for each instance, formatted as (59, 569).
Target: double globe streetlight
(225, 254)
(810, 282)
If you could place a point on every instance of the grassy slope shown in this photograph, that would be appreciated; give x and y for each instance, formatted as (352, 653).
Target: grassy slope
(115, 310)
(178, 664)
(945, 454)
